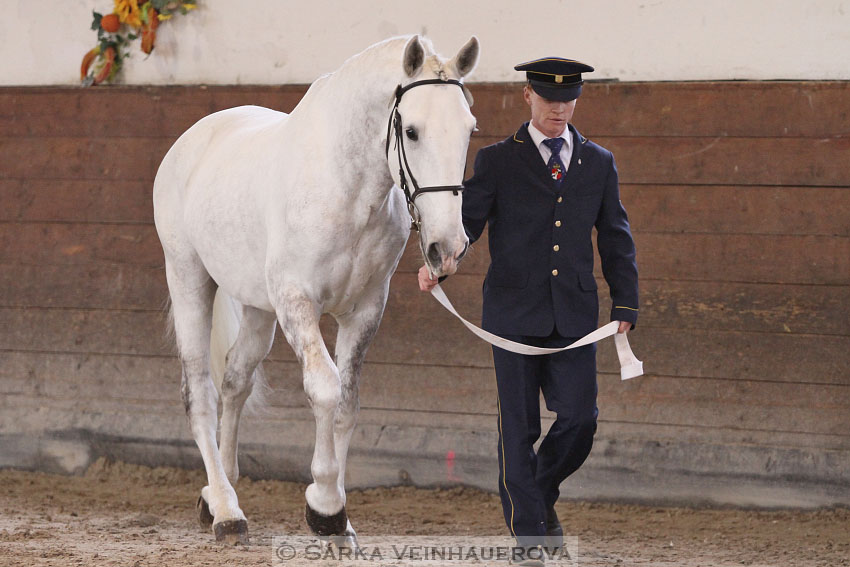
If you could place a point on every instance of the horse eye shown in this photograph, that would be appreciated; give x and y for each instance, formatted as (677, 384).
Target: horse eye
(412, 134)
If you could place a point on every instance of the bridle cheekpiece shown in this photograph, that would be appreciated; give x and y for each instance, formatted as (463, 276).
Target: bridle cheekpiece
(394, 125)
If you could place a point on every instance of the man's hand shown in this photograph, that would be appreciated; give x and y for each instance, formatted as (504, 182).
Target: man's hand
(426, 280)
(623, 328)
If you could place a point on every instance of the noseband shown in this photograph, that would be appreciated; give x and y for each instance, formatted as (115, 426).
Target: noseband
(394, 124)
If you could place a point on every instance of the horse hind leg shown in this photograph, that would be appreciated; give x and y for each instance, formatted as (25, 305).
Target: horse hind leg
(192, 292)
(299, 319)
(253, 343)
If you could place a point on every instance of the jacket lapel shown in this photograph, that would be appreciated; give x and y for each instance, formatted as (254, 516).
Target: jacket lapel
(574, 170)
(530, 156)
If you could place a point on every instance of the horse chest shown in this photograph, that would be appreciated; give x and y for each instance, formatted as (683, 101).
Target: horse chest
(337, 267)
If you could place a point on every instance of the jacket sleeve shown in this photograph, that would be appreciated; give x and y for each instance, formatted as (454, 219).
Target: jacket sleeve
(478, 196)
(617, 251)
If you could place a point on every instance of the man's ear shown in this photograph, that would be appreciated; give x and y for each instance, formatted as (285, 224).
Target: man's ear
(526, 94)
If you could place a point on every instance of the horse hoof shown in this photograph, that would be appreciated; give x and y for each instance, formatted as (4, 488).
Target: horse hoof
(322, 525)
(347, 541)
(205, 518)
(232, 532)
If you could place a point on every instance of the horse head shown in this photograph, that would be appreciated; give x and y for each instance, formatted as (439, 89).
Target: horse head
(432, 123)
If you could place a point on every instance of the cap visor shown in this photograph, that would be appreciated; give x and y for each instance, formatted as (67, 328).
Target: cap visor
(564, 94)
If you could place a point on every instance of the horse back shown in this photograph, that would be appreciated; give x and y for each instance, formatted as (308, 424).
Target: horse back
(223, 132)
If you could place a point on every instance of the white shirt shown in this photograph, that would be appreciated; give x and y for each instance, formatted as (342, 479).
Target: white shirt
(566, 150)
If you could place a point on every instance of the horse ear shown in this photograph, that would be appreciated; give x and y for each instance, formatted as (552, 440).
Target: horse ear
(467, 58)
(414, 56)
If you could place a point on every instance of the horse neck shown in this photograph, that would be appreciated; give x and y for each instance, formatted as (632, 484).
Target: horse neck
(364, 123)
(354, 104)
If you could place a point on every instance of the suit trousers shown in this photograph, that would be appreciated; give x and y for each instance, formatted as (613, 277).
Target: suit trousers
(529, 481)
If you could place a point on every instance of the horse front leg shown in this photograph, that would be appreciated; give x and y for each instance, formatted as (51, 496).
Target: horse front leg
(299, 319)
(356, 331)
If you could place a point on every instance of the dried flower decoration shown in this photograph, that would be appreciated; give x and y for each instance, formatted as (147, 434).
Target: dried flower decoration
(129, 20)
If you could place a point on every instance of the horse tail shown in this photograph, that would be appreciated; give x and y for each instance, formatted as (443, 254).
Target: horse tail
(227, 316)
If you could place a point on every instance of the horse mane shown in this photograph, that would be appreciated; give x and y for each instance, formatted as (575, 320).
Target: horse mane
(437, 66)
(390, 51)
(369, 67)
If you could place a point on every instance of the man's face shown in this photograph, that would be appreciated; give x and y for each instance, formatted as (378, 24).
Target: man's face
(549, 116)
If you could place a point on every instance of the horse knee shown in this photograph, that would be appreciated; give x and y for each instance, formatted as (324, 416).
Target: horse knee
(344, 423)
(346, 415)
(323, 389)
(236, 386)
(324, 399)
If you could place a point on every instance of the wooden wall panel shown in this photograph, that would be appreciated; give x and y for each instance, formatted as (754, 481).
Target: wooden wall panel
(731, 161)
(86, 286)
(73, 200)
(736, 209)
(721, 160)
(739, 201)
(108, 159)
(121, 112)
(52, 244)
(704, 109)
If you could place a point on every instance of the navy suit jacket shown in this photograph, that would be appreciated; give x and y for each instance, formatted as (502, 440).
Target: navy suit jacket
(513, 193)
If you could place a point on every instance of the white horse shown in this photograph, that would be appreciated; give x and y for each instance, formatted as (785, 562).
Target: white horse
(297, 215)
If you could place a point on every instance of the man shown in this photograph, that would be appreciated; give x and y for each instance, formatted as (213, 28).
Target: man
(542, 191)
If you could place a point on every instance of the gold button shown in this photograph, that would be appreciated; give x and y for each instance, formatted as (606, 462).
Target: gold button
(560, 199)
(556, 248)
(557, 223)
(554, 272)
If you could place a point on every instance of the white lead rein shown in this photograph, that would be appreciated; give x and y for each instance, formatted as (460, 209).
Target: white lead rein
(630, 366)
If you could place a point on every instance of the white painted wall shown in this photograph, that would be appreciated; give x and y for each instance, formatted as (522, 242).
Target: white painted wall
(288, 41)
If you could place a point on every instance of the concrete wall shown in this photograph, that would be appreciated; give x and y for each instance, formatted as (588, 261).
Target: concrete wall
(290, 42)
(739, 200)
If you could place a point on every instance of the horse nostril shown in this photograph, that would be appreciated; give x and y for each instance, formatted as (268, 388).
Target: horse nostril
(463, 252)
(434, 254)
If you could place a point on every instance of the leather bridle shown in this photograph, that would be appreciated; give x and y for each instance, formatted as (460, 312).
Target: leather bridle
(394, 125)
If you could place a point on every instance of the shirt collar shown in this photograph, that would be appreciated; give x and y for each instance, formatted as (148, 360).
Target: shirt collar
(537, 136)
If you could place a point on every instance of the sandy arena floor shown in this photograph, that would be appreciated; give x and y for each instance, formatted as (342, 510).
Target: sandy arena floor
(127, 515)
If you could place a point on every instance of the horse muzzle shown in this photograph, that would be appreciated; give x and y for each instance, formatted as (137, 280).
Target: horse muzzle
(442, 263)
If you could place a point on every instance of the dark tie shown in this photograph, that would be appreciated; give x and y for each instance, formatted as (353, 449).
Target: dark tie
(555, 165)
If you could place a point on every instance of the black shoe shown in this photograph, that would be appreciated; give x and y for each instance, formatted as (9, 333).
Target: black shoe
(554, 538)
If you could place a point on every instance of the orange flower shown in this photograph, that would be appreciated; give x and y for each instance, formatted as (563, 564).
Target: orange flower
(128, 12)
(110, 23)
